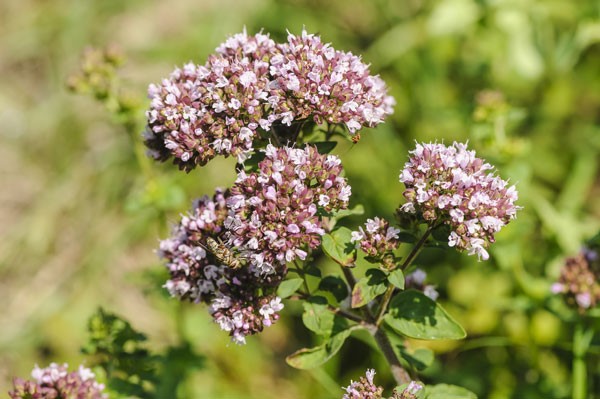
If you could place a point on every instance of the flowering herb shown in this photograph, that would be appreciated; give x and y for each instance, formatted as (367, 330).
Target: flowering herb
(277, 210)
(579, 280)
(328, 85)
(55, 381)
(365, 388)
(377, 238)
(450, 185)
(242, 301)
(252, 83)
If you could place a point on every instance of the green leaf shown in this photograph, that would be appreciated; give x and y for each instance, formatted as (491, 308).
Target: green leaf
(405, 236)
(420, 359)
(338, 247)
(288, 287)
(418, 316)
(317, 317)
(335, 285)
(396, 278)
(357, 210)
(312, 270)
(446, 391)
(309, 358)
(369, 287)
(251, 164)
(325, 147)
(441, 233)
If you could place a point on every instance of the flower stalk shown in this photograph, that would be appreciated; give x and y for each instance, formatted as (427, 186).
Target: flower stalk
(407, 262)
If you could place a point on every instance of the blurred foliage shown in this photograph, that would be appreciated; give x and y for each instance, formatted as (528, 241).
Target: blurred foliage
(131, 370)
(80, 213)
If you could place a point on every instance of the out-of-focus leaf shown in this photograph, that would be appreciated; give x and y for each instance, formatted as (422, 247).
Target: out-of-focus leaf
(441, 233)
(119, 349)
(446, 391)
(417, 316)
(325, 147)
(409, 238)
(579, 182)
(397, 41)
(452, 16)
(369, 287)
(175, 365)
(337, 246)
(288, 287)
(309, 358)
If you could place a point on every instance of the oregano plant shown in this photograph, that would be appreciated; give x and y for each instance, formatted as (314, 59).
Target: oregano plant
(245, 251)
(279, 105)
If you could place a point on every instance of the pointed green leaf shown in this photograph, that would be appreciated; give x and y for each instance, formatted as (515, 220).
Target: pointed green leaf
(335, 285)
(368, 288)
(317, 317)
(288, 287)
(396, 278)
(312, 270)
(309, 358)
(419, 359)
(337, 246)
(446, 391)
(417, 316)
(357, 210)
(409, 238)
(325, 147)
(441, 233)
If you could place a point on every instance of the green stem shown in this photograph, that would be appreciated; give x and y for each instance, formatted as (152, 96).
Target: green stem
(407, 262)
(400, 374)
(581, 342)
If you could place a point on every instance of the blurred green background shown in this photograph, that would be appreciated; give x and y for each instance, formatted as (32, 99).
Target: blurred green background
(79, 224)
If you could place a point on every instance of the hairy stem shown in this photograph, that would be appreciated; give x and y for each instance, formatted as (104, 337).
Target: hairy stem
(400, 374)
(387, 297)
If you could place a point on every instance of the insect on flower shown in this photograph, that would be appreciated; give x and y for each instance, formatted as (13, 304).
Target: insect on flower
(222, 253)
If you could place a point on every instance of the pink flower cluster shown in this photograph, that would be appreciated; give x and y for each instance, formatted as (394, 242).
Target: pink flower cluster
(276, 210)
(377, 238)
(55, 381)
(451, 185)
(267, 219)
(241, 301)
(250, 84)
(579, 280)
(365, 388)
(329, 85)
(202, 111)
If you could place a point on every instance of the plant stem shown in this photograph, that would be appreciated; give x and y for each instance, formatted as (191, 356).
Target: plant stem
(401, 376)
(581, 342)
(407, 262)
